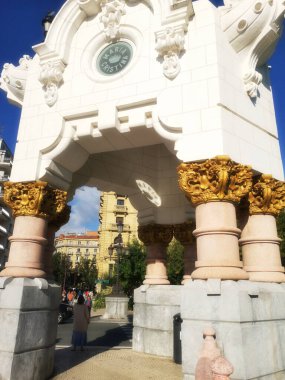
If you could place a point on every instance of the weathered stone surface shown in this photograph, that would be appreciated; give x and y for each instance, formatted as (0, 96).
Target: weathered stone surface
(249, 319)
(28, 318)
(116, 308)
(153, 319)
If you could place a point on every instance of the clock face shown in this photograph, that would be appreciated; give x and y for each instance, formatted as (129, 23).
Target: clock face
(114, 58)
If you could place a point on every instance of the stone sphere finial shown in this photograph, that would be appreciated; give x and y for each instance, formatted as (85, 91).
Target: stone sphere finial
(221, 368)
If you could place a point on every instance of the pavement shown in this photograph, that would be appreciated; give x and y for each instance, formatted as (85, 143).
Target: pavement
(109, 363)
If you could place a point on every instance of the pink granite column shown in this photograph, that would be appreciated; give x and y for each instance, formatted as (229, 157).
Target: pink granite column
(33, 205)
(214, 187)
(184, 234)
(156, 238)
(259, 240)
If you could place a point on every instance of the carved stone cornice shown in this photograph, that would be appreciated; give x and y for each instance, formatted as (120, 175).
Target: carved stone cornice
(34, 199)
(51, 77)
(217, 179)
(13, 79)
(253, 28)
(267, 196)
(184, 232)
(151, 234)
(112, 12)
(169, 45)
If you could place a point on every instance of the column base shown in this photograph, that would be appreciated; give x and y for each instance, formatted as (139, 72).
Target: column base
(266, 276)
(186, 279)
(23, 272)
(156, 281)
(222, 273)
(28, 320)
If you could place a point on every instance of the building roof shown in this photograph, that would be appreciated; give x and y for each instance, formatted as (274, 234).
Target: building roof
(89, 235)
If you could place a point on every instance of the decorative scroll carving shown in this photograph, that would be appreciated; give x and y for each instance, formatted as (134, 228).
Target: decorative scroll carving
(169, 44)
(13, 79)
(112, 12)
(184, 232)
(51, 78)
(218, 179)
(34, 199)
(253, 28)
(267, 196)
(155, 234)
(90, 7)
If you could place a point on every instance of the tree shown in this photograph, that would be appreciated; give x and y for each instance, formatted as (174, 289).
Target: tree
(281, 233)
(61, 269)
(175, 265)
(87, 273)
(132, 268)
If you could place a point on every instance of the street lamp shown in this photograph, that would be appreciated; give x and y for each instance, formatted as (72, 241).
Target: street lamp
(46, 21)
(119, 247)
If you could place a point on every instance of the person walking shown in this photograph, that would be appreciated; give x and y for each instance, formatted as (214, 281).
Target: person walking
(80, 324)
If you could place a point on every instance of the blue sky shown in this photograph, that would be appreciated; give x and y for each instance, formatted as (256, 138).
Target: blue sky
(21, 28)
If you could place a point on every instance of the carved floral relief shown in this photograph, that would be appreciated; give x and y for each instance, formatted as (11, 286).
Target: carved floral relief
(217, 179)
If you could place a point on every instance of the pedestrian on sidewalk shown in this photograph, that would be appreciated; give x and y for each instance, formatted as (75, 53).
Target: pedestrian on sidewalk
(80, 324)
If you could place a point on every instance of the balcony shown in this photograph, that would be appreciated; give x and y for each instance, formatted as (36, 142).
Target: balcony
(76, 244)
(114, 227)
(4, 214)
(120, 209)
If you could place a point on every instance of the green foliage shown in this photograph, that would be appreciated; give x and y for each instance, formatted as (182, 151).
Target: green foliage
(281, 233)
(99, 302)
(175, 265)
(87, 273)
(62, 269)
(132, 268)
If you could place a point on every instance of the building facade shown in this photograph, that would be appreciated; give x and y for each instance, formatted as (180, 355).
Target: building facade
(115, 210)
(78, 246)
(6, 220)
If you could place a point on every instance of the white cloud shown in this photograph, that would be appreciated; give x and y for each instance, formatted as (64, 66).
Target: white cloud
(84, 211)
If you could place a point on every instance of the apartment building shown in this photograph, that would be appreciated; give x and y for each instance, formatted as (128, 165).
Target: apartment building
(118, 219)
(6, 220)
(78, 246)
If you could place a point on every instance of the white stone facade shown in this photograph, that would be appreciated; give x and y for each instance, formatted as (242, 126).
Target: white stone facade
(197, 85)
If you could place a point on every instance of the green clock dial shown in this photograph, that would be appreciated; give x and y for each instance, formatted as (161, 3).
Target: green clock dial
(114, 58)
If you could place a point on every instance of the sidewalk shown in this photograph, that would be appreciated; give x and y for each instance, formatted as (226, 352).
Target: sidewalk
(105, 363)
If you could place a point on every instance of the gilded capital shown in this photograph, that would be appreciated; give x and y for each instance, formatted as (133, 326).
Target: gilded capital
(217, 179)
(61, 218)
(155, 234)
(184, 232)
(34, 199)
(267, 196)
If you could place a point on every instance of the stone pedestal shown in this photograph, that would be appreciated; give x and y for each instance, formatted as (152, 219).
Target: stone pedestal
(116, 308)
(155, 306)
(28, 320)
(249, 320)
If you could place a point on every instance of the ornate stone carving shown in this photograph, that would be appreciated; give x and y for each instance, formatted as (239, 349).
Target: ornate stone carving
(51, 78)
(184, 232)
(13, 79)
(218, 179)
(112, 12)
(169, 44)
(155, 234)
(253, 28)
(267, 196)
(90, 7)
(34, 199)
(61, 218)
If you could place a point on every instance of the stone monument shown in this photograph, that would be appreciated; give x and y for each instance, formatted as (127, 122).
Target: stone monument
(133, 97)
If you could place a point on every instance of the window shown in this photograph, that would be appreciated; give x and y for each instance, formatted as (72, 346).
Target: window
(120, 202)
(119, 220)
